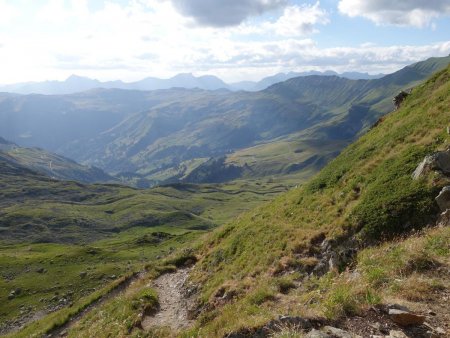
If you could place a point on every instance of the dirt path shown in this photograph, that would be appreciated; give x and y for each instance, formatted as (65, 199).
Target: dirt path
(173, 311)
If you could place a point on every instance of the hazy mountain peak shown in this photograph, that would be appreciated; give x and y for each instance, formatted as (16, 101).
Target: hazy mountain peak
(184, 76)
(75, 77)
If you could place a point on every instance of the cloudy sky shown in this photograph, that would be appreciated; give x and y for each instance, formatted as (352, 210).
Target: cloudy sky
(233, 39)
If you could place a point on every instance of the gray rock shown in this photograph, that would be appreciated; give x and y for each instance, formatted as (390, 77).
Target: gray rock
(397, 334)
(405, 318)
(397, 307)
(317, 334)
(443, 199)
(439, 161)
(338, 333)
(83, 274)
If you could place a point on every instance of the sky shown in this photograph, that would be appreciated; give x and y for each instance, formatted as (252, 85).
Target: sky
(235, 40)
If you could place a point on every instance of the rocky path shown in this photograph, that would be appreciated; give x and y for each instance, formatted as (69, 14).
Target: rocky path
(173, 310)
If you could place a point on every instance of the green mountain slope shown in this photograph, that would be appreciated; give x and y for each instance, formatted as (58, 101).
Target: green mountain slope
(40, 209)
(52, 165)
(351, 106)
(364, 196)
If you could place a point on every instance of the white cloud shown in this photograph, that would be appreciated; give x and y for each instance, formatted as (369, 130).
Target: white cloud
(151, 38)
(7, 12)
(258, 59)
(224, 13)
(417, 13)
(300, 20)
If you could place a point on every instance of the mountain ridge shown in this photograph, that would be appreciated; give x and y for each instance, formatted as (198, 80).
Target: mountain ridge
(75, 83)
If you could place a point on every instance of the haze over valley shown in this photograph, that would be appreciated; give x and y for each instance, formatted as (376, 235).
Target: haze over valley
(239, 168)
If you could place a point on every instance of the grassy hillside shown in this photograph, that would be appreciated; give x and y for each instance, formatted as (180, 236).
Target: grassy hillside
(364, 196)
(36, 208)
(345, 109)
(51, 164)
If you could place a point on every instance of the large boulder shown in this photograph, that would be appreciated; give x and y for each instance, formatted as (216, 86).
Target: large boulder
(443, 199)
(439, 161)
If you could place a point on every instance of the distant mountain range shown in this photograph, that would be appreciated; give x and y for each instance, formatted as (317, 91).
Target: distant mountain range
(195, 135)
(280, 77)
(76, 84)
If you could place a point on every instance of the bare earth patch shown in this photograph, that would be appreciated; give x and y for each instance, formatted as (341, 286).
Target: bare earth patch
(173, 311)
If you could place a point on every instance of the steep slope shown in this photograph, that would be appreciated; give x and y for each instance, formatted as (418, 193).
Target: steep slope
(364, 196)
(52, 165)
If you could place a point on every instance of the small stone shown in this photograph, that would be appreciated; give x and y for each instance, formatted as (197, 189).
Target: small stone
(83, 274)
(338, 333)
(432, 313)
(397, 306)
(397, 334)
(376, 326)
(405, 318)
(440, 330)
(317, 334)
(41, 270)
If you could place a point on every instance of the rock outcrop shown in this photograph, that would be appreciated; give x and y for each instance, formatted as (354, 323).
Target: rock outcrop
(439, 161)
